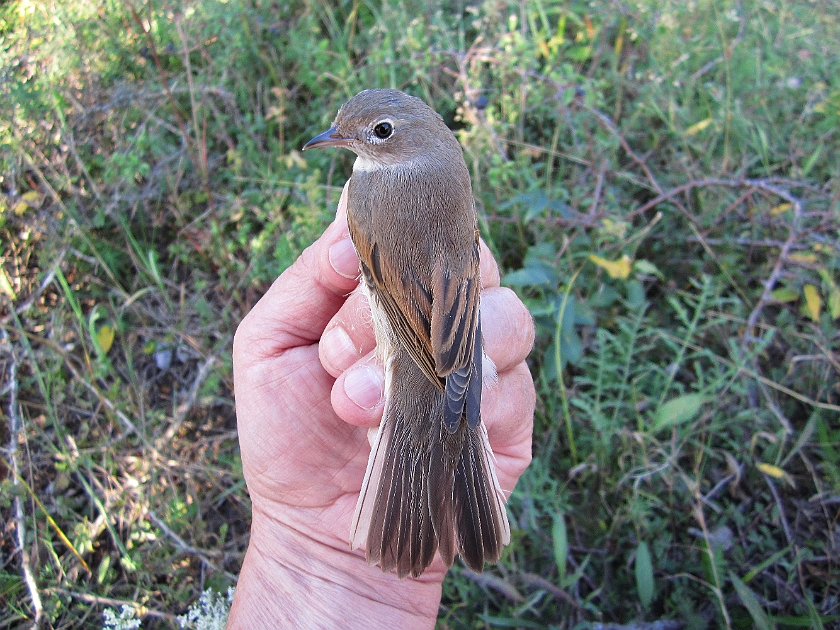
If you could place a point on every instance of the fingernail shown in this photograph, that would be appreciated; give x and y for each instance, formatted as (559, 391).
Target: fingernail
(364, 386)
(343, 258)
(337, 349)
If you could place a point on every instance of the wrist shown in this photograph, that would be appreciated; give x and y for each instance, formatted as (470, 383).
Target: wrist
(291, 578)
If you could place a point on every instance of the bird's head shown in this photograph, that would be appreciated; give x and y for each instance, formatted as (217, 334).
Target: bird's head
(387, 128)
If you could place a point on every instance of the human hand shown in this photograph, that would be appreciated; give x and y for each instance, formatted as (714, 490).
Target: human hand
(306, 386)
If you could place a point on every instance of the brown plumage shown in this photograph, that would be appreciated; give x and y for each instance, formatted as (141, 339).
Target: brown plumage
(430, 484)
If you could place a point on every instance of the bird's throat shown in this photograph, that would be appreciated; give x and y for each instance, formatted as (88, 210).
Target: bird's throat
(365, 165)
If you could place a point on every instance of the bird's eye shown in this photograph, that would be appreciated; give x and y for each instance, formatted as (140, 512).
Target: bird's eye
(383, 130)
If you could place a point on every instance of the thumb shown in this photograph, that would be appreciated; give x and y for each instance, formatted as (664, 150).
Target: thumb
(297, 307)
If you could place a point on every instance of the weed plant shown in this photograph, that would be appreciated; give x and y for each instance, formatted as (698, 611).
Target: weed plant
(658, 180)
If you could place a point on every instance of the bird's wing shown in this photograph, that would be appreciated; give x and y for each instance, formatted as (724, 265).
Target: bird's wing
(439, 328)
(456, 339)
(455, 295)
(410, 326)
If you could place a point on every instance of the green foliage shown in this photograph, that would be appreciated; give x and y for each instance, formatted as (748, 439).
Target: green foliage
(657, 180)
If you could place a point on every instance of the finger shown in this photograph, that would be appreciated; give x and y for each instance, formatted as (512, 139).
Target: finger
(489, 269)
(305, 297)
(507, 327)
(349, 335)
(358, 394)
(508, 412)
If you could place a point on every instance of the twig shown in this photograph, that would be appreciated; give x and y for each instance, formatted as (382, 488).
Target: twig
(540, 582)
(749, 242)
(769, 284)
(20, 519)
(757, 184)
(762, 379)
(142, 610)
(202, 555)
(596, 197)
(184, 407)
(766, 185)
(110, 405)
(496, 583)
(610, 125)
(780, 505)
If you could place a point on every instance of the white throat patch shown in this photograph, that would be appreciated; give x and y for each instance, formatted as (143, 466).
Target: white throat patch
(366, 165)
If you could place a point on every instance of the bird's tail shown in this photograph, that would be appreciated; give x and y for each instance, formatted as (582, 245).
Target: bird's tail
(426, 489)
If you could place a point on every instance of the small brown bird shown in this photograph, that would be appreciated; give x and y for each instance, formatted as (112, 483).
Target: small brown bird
(431, 483)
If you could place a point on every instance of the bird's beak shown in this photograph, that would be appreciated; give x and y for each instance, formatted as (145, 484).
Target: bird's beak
(330, 138)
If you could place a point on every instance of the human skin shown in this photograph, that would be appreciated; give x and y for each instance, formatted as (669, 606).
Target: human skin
(307, 387)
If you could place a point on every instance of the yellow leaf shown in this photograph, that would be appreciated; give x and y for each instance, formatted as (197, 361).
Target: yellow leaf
(780, 208)
(813, 302)
(698, 127)
(105, 337)
(614, 228)
(770, 469)
(616, 269)
(775, 472)
(803, 258)
(6, 284)
(32, 197)
(20, 208)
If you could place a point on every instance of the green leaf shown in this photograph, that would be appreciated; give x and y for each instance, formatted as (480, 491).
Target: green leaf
(102, 571)
(561, 544)
(644, 574)
(784, 294)
(635, 294)
(571, 347)
(678, 410)
(834, 303)
(809, 164)
(528, 277)
(536, 202)
(833, 294)
(750, 601)
(648, 268)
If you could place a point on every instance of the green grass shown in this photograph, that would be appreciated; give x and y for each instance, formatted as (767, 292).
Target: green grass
(660, 182)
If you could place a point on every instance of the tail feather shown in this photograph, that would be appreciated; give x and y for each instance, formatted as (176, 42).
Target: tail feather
(482, 526)
(427, 489)
(441, 497)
